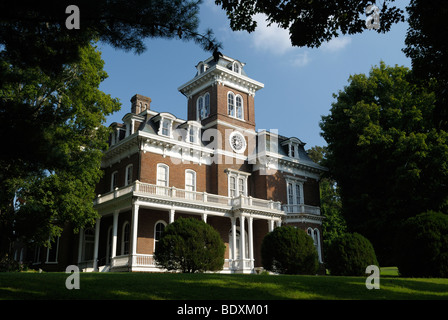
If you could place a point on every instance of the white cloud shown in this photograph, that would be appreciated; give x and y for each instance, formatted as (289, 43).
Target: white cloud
(336, 44)
(272, 39)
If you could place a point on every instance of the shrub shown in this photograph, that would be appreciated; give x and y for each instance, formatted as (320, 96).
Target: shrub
(289, 250)
(350, 254)
(421, 247)
(190, 245)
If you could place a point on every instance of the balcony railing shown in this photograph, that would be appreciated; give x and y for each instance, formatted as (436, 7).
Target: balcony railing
(301, 208)
(148, 261)
(189, 196)
(196, 197)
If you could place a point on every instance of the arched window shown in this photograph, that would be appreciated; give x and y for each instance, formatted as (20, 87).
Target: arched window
(128, 179)
(159, 227)
(203, 106)
(125, 238)
(113, 180)
(231, 104)
(236, 67)
(190, 184)
(239, 107)
(163, 173)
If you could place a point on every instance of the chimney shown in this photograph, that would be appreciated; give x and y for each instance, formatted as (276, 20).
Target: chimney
(140, 103)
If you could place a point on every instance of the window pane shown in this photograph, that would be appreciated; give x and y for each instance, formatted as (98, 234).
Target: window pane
(239, 108)
(298, 199)
(241, 186)
(231, 105)
(290, 194)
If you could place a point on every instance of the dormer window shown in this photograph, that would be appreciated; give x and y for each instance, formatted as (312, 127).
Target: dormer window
(166, 124)
(236, 67)
(202, 67)
(293, 145)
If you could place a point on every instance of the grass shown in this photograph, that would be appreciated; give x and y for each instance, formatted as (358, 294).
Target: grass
(49, 286)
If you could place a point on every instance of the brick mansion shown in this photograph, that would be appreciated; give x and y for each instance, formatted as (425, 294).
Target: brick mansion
(213, 166)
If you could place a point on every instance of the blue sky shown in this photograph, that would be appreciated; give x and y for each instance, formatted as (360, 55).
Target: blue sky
(299, 82)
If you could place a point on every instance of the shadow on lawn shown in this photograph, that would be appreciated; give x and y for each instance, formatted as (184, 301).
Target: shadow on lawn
(215, 287)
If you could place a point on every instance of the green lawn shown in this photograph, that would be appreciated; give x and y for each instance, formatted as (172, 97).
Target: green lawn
(216, 287)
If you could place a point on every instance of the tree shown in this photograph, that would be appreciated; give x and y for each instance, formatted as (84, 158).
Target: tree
(385, 154)
(310, 23)
(421, 246)
(58, 120)
(426, 45)
(350, 254)
(334, 225)
(51, 109)
(40, 28)
(190, 245)
(289, 250)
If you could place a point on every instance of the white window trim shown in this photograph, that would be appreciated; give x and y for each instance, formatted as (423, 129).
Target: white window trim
(57, 253)
(237, 175)
(194, 178)
(126, 182)
(126, 223)
(295, 182)
(315, 235)
(160, 165)
(112, 179)
(235, 113)
(155, 225)
(202, 99)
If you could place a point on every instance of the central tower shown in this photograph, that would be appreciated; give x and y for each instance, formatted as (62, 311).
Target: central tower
(221, 97)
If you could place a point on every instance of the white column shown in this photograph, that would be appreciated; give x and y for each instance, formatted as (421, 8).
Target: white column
(80, 244)
(278, 223)
(251, 240)
(233, 256)
(271, 225)
(97, 238)
(134, 228)
(242, 240)
(204, 217)
(114, 235)
(171, 218)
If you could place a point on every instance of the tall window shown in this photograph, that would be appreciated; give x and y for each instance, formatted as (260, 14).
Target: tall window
(89, 242)
(203, 106)
(232, 186)
(113, 180)
(237, 184)
(239, 107)
(231, 104)
(314, 234)
(125, 238)
(294, 189)
(158, 230)
(52, 253)
(128, 178)
(190, 184)
(109, 245)
(162, 179)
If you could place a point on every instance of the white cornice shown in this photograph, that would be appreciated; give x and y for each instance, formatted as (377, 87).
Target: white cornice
(220, 75)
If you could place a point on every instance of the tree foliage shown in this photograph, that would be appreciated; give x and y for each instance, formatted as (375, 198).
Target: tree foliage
(421, 246)
(51, 166)
(350, 254)
(190, 245)
(385, 154)
(289, 250)
(39, 28)
(334, 225)
(310, 23)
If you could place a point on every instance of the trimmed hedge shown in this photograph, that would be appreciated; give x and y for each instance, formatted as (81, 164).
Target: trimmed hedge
(350, 254)
(421, 247)
(190, 245)
(289, 250)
